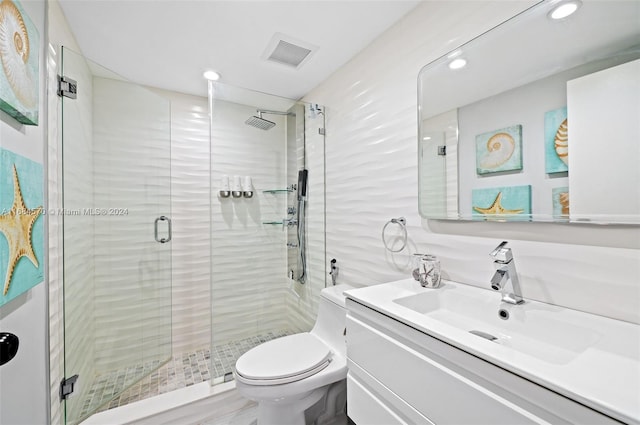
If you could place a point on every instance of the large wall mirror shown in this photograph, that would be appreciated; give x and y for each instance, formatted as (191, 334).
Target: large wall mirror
(537, 119)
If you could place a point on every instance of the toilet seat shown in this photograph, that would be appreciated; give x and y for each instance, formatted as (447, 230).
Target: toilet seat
(283, 360)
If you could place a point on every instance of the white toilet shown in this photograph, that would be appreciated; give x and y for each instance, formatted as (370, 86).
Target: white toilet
(300, 379)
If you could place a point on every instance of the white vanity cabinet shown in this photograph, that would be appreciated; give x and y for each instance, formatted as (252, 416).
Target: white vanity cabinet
(398, 374)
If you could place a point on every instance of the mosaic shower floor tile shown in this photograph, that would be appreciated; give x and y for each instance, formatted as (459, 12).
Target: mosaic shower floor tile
(181, 371)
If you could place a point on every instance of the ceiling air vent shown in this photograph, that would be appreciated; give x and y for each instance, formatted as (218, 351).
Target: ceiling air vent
(288, 51)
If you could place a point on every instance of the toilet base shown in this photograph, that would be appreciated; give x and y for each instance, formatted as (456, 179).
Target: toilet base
(322, 406)
(288, 412)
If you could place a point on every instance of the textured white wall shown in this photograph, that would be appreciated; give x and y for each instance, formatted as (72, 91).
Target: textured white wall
(372, 176)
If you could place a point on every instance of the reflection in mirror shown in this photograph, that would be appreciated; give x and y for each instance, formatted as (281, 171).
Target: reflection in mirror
(542, 109)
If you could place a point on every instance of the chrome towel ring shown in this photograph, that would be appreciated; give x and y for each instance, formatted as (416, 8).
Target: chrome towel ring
(402, 222)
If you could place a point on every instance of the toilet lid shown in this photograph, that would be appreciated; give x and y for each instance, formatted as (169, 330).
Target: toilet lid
(284, 358)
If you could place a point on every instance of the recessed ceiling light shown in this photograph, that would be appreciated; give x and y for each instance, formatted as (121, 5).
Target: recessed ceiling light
(211, 75)
(457, 63)
(564, 9)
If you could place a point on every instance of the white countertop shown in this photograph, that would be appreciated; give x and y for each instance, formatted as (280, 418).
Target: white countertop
(605, 375)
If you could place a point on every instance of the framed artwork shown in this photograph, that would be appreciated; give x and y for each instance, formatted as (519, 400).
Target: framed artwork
(19, 50)
(499, 150)
(556, 141)
(21, 225)
(501, 202)
(560, 202)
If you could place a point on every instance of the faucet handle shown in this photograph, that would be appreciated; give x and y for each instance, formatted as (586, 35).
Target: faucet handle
(502, 253)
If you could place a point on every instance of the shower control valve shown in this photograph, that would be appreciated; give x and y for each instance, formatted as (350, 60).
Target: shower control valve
(289, 222)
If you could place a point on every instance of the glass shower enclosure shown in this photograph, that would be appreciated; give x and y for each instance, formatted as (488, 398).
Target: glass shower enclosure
(116, 233)
(267, 262)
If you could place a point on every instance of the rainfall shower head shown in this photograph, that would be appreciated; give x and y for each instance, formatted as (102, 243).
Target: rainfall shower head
(260, 122)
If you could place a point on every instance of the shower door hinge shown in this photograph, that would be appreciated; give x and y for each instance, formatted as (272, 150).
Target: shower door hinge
(442, 150)
(321, 131)
(67, 87)
(67, 386)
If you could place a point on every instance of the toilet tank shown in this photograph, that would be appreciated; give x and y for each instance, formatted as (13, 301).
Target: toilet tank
(330, 324)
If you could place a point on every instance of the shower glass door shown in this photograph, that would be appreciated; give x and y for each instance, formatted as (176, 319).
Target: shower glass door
(116, 234)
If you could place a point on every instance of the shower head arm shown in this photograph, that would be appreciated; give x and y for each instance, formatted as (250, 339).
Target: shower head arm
(266, 111)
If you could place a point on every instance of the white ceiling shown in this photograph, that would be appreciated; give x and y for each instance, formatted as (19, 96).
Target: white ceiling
(169, 43)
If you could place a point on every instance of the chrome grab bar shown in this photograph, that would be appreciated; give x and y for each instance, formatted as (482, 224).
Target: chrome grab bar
(155, 230)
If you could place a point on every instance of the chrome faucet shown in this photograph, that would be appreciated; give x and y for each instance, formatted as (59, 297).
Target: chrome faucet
(505, 278)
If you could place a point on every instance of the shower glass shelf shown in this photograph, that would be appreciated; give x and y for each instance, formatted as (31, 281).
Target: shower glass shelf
(272, 222)
(277, 191)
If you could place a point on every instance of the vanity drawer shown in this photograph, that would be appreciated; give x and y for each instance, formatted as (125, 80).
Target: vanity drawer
(435, 391)
(363, 407)
(369, 402)
(448, 385)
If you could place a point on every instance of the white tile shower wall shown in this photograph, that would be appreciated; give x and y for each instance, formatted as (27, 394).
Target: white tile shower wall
(372, 176)
(131, 166)
(248, 258)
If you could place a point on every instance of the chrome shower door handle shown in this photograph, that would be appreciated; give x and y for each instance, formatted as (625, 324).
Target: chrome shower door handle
(155, 229)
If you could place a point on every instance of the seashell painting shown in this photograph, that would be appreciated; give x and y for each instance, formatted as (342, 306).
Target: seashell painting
(510, 202)
(21, 225)
(19, 51)
(499, 150)
(556, 141)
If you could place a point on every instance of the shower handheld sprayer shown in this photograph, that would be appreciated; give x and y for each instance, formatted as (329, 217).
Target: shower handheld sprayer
(302, 184)
(302, 195)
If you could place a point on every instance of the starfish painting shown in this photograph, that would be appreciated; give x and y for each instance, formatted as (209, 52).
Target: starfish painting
(497, 208)
(17, 225)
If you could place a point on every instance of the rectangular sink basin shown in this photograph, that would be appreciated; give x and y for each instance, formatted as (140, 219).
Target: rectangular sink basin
(546, 332)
